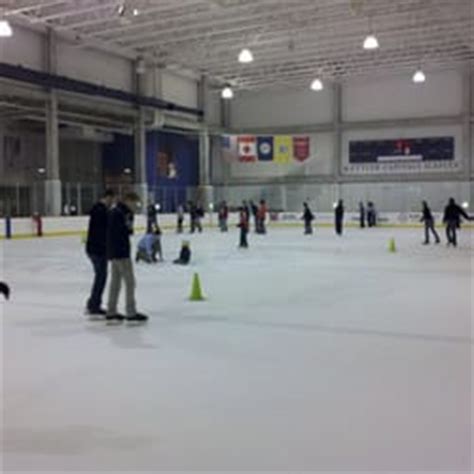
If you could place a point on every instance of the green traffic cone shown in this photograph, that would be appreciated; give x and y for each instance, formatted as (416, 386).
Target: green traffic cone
(392, 248)
(196, 291)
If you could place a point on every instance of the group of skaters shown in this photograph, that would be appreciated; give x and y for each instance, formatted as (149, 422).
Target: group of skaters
(452, 218)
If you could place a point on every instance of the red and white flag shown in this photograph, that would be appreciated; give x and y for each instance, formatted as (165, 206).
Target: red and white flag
(247, 148)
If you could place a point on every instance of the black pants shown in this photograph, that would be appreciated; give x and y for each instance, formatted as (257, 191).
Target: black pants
(451, 232)
(429, 226)
(308, 228)
(179, 228)
(243, 237)
(362, 222)
(338, 224)
(99, 262)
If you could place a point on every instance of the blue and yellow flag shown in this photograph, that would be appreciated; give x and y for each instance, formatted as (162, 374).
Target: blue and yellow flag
(283, 149)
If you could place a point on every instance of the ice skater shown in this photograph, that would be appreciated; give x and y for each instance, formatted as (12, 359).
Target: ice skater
(244, 227)
(262, 217)
(223, 215)
(253, 208)
(180, 219)
(184, 254)
(119, 229)
(96, 251)
(151, 217)
(452, 219)
(429, 222)
(148, 246)
(308, 218)
(361, 215)
(371, 214)
(339, 217)
(5, 290)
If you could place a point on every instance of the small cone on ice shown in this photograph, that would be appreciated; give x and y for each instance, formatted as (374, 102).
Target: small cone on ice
(392, 248)
(196, 291)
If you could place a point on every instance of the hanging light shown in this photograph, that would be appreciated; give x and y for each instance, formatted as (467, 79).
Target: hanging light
(245, 56)
(317, 85)
(136, 12)
(371, 42)
(5, 29)
(227, 93)
(465, 205)
(419, 77)
(121, 9)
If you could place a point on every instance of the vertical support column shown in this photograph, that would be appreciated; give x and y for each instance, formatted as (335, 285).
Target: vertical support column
(53, 199)
(141, 186)
(337, 139)
(467, 109)
(205, 188)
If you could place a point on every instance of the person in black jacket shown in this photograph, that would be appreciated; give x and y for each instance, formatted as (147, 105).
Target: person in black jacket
(361, 215)
(151, 218)
(308, 218)
(428, 219)
(96, 250)
(452, 218)
(119, 253)
(339, 217)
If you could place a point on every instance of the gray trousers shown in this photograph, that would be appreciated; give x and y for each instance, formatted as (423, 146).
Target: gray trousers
(122, 269)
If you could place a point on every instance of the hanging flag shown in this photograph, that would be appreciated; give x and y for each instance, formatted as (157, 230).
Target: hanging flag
(283, 149)
(301, 148)
(265, 148)
(247, 149)
(229, 148)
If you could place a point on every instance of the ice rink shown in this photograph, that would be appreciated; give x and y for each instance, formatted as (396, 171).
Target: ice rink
(311, 353)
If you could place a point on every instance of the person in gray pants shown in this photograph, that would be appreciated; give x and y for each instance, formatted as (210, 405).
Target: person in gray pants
(119, 229)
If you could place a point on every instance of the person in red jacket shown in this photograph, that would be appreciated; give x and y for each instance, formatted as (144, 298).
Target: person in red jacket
(261, 217)
(244, 227)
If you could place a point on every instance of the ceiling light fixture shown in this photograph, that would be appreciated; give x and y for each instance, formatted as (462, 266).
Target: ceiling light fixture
(121, 9)
(245, 56)
(136, 12)
(317, 85)
(371, 42)
(227, 93)
(419, 77)
(5, 29)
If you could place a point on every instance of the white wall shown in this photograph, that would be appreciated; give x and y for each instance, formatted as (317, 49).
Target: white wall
(281, 109)
(180, 90)
(94, 66)
(399, 97)
(25, 48)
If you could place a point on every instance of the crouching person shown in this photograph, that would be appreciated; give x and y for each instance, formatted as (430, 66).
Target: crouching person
(119, 229)
(184, 255)
(148, 246)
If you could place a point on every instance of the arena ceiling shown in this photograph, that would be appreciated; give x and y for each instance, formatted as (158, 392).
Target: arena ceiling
(292, 41)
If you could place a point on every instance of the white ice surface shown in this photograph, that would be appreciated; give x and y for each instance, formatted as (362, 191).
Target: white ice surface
(311, 353)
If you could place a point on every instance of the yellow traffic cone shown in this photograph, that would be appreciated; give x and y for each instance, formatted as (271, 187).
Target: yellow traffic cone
(196, 291)
(392, 248)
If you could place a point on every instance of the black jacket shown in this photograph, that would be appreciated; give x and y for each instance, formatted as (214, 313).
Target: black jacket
(308, 215)
(453, 213)
(97, 232)
(339, 211)
(118, 232)
(427, 216)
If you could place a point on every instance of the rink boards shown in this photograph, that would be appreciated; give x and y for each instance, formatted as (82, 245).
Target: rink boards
(77, 225)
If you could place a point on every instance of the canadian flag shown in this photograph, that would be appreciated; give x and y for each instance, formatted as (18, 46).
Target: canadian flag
(247, 148)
